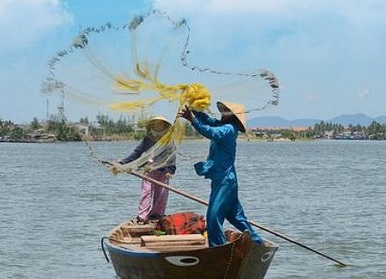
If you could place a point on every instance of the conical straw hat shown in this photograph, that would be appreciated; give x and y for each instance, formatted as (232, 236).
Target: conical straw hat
(238, 110)
(151, 120)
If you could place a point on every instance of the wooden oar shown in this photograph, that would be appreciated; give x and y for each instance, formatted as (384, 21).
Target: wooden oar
(252, 223)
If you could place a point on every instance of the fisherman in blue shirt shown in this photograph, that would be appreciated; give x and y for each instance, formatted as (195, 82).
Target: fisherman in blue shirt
(220, 168)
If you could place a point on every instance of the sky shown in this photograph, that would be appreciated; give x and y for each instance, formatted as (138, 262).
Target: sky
(329, 56)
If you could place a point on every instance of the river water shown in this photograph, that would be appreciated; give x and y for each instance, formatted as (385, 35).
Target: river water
(56, 204)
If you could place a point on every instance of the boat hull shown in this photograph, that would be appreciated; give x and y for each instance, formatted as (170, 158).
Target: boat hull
(241, 258)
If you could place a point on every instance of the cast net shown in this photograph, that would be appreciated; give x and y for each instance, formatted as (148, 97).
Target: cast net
(143, 65)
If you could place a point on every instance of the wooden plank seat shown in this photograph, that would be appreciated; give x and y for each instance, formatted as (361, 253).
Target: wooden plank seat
(138, 230)
(151, 241)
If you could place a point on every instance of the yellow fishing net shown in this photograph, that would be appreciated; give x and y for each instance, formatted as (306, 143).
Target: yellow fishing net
(143, 65)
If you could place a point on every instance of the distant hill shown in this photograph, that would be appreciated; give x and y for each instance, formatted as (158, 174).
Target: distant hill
(344, 119)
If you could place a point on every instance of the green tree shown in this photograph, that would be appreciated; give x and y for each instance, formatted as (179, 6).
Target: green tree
(17, 133)
(84, 121)
(5, 128)
(376, 131)
(35, 124)
(102, 119)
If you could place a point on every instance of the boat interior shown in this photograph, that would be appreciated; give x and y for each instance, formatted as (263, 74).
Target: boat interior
(144, 237)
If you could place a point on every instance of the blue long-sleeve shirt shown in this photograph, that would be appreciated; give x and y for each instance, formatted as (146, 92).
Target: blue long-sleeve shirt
(222, 151)
(144, 146)
(220, 168)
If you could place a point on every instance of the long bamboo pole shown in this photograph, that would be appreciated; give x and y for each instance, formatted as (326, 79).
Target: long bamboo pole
(251, 222)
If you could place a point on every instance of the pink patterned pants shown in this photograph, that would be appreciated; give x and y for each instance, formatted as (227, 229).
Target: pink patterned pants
(153, 198)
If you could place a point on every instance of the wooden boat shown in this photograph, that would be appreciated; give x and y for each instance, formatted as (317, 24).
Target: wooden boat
(137, 253)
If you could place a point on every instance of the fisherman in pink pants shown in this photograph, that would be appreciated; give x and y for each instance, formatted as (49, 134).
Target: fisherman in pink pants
(152, 204)
(153, 198)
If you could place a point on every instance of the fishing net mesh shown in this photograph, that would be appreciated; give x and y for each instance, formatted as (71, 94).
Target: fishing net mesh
(139, 66)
